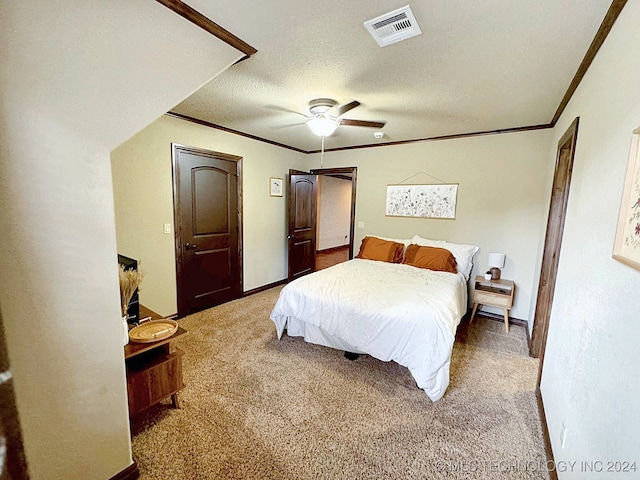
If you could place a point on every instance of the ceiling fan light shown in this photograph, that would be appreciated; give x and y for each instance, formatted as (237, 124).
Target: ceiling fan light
(323, 125)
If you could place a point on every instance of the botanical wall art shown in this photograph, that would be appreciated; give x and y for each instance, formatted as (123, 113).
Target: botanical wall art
(426, 201)
(627, 245)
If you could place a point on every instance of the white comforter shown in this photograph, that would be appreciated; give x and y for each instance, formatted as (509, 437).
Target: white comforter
(389, 311)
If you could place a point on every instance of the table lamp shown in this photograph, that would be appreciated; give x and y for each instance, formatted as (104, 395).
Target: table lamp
(496, 262)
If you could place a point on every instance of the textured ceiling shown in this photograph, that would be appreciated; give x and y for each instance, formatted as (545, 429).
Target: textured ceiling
(478, 66)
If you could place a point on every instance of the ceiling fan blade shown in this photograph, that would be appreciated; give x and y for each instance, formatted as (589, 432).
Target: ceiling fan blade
(362, 123)
(285, 110)
(349, 106)
(289, 125)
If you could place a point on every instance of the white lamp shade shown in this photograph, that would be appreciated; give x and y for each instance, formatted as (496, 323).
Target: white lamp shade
(497, 260)
(323, 125)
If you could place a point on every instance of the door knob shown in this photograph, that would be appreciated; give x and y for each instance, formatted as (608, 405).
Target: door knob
(190, 246)
(289, 237)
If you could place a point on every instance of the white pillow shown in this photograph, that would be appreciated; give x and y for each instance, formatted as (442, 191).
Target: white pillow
(462, 253)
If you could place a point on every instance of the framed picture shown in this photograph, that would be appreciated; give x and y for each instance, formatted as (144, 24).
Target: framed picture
(424, 201)
(627, 245)
(275, 187)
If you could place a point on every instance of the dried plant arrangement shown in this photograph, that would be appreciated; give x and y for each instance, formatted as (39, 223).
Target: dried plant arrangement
(129, 282)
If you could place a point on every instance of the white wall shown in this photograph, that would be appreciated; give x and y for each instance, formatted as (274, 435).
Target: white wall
(77, 78)
(590, 375)
(502, 205)
(334, 212)
(143, 191)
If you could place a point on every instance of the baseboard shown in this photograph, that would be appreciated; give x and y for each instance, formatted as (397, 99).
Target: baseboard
(264, 288)
(333, 249)
(500, 318)
(553, 474)
(129, 473)
(247, 293)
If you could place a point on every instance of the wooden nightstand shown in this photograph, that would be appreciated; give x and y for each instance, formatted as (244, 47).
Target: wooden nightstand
(496, 293)
(154, 370)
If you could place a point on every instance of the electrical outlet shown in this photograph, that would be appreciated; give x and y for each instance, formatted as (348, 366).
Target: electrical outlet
(360, 224)
(563, 434)
(167, 228)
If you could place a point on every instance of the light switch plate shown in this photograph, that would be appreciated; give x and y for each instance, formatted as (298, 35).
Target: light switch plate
(167, 228)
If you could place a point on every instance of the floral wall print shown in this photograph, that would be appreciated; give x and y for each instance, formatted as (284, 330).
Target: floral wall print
(627, 244)
(426, 201)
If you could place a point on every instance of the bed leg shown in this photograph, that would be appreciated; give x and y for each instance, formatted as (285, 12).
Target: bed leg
(351, 356)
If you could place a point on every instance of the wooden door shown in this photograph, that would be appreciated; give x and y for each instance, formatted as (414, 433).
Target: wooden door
(13, 461)
(302, 198)
(207, 226)
(553, 240)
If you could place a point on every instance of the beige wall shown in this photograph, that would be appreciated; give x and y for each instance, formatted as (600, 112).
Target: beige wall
(72, 87)
(502, 205)
(334, 212)
(502, 200)
(143, 195)
(590, 377)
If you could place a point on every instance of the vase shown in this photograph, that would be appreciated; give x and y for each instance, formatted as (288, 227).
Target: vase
(125, 330)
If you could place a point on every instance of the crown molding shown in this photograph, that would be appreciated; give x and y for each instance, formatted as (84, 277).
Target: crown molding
(208, 25)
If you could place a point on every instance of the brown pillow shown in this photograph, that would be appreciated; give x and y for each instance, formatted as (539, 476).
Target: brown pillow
(432, 258)
(373, 248)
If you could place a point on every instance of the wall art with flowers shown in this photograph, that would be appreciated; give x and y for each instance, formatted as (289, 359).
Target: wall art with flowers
(627, 245)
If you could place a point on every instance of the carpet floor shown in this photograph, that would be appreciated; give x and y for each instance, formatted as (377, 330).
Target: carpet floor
(256, 407)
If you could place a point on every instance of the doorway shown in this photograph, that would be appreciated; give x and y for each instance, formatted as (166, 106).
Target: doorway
(334, 219)
(306, 235)
(208, 222)
(553, 241)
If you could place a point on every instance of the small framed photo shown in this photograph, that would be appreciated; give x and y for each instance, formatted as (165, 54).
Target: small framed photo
(275, 187)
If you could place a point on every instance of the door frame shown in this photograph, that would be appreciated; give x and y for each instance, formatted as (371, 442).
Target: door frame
(177, 229)
(553, 237)
(353, 172)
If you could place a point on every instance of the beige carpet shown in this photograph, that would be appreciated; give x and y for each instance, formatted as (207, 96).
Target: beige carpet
(259, 408)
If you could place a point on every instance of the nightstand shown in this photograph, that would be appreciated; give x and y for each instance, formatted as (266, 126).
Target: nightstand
(154, 370)
(495, 293)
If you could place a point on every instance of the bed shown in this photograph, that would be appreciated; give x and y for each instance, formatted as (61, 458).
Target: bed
(384, 308)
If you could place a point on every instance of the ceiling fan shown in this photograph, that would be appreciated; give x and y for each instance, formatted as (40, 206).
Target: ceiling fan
(326, 116)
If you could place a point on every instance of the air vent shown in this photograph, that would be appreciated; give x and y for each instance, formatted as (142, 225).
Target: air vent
(393, 27)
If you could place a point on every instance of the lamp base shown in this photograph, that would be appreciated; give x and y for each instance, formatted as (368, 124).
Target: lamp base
(495, 273)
